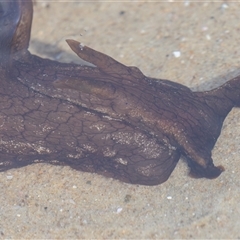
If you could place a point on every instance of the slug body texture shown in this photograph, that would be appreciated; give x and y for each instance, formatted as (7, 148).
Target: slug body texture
(109, 119)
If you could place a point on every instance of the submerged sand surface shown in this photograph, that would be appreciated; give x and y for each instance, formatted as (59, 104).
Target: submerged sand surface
(196, 44)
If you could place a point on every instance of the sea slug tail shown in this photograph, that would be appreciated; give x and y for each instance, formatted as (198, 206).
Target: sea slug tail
(222, 99)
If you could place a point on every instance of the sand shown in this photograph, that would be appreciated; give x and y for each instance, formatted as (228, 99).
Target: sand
(196, 44)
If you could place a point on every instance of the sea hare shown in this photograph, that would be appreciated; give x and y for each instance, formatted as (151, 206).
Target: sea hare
(109, 119)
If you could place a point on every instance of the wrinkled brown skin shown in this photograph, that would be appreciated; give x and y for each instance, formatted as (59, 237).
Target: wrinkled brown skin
(109, 119)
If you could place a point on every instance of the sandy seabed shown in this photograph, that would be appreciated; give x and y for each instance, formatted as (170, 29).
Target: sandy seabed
(196, 44)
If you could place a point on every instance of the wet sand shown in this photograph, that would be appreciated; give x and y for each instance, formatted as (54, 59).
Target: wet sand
(196, 44)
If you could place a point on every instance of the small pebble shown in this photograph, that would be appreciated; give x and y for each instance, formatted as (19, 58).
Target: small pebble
(176, 54)
(208, 37)
(119, 210)
(224, 5)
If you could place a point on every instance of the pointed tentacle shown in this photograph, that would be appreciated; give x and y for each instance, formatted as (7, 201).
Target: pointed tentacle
(103, 61)
(20, 41)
